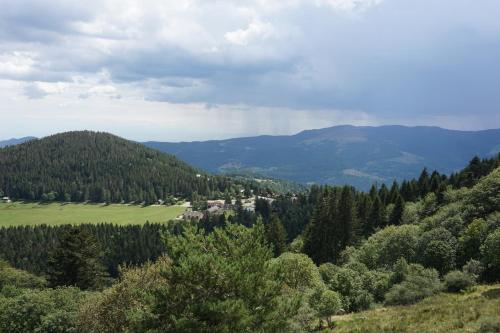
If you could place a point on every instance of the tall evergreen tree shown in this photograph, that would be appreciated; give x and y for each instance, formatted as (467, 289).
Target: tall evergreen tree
(76, 261)
(424, 185)
(276, 235)
(394, 192)
(318, 240)
(397, 211)
(346, 221)
(384, 194)
(377, 216)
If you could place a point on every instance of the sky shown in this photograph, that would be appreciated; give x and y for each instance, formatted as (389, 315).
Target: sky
(184, 70)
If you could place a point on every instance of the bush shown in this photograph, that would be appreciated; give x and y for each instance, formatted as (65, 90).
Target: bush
(295, 270)
(126, 305)
(491, 249)
(490, 325)
(352, 285)
(326, 303)
(385, 247)
(456, 281)
(419, 283)
(473, 268)
(10, 276)
(437, 249)
(43, 311)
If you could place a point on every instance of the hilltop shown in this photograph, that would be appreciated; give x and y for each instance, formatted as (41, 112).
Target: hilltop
(98, 167)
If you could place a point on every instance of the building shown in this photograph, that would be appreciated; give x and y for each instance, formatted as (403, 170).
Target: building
(215, 203)
(215, 210)
(192, 215)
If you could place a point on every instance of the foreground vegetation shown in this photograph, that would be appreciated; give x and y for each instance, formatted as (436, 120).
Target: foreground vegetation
(475, 311)
(17, 213)
(350, 252)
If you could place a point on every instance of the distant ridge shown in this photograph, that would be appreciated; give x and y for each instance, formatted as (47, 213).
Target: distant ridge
(356, 155)
(16, 141)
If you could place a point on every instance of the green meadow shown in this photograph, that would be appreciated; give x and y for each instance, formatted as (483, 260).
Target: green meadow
(17, 213)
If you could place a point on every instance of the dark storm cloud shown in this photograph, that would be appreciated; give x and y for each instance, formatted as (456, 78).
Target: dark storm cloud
(392, 59)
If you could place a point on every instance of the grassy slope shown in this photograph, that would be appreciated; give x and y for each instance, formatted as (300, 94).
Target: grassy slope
(56, 213)
(445, 312)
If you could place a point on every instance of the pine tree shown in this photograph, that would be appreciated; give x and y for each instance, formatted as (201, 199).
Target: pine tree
(377, 216)
(346, 221)
(76, 261)
(397, 211)
(276, 235)
(393, 194)
(384, 194)
(317, 235)
(424, 183)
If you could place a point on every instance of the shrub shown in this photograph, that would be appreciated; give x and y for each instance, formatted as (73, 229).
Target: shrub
(326, 303)
(485, 195)
(385, 247)
(456, 281)
(491, 249)
(44, 311)
(126, 305)
(437, 249)
(473, 268)
(10, 276)
(351, 284)
(472, 238)
(419, 283)
(295, 270)
(327, 272)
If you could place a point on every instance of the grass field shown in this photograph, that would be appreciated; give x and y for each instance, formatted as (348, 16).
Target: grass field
(476, 311)
(17, 213)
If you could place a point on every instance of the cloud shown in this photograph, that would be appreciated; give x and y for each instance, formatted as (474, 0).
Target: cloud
(16, 64)
(389, 59)
(255, 30)
(33, 91)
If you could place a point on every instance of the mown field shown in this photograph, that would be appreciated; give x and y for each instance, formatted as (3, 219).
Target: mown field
(17, 213)
(476, 311)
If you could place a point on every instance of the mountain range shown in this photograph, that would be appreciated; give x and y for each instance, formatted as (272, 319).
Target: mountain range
(359, 156)
(14, 141)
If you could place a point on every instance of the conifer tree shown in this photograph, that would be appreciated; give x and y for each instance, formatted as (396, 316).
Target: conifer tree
(376, 218)
(346, 222)
(424, 183)
(276, 235)
(397, 211)
(76, 261)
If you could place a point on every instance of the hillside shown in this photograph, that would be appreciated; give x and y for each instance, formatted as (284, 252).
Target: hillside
(100, 167)
(470, 312)
(341, 155)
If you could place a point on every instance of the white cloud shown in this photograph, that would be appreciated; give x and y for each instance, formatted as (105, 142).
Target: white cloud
(256, 30)
(349, 5)
(16, 63)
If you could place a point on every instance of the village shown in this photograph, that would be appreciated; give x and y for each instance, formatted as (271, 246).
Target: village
(219, 207)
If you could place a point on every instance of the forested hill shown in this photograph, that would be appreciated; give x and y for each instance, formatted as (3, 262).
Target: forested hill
(100, 167)
(358, 156)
